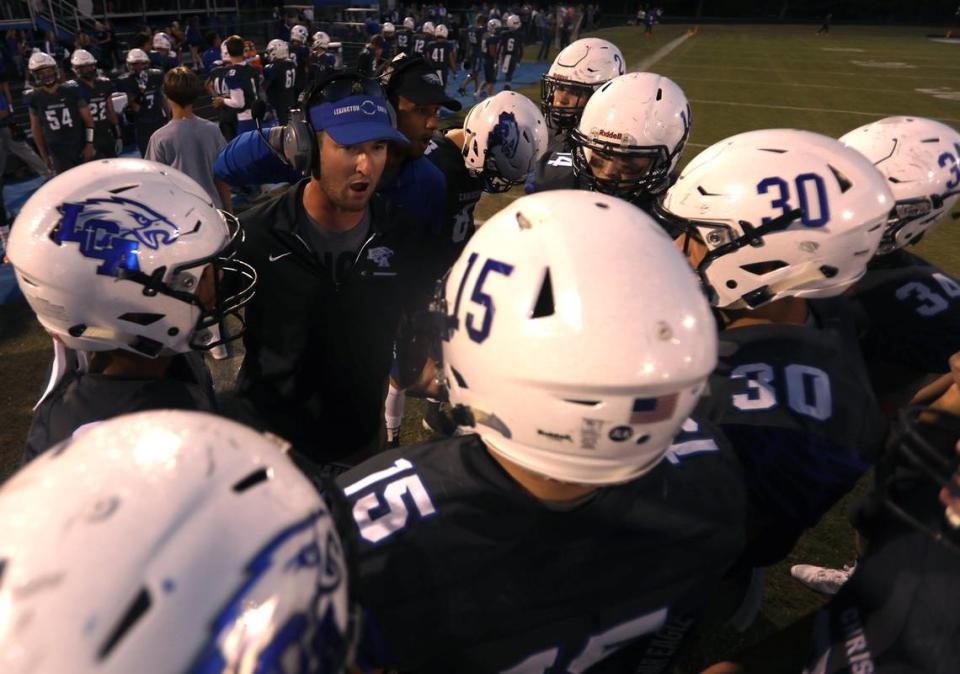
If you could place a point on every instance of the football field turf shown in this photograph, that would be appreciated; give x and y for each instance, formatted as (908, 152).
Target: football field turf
(737, 78)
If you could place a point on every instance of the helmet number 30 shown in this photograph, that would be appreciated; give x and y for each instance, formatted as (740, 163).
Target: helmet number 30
(479, 328)
(811, 193)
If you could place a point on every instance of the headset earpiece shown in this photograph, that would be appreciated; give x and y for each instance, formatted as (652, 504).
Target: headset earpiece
(300, 142)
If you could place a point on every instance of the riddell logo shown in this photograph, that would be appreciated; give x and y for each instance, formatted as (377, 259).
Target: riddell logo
(612, 135)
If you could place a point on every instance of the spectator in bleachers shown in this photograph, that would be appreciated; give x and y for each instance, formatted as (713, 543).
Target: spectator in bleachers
(104, 42)
(194, 40)
(187, 142)
(212, 53)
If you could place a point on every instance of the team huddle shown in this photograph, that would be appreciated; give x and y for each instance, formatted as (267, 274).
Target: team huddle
(646, 385)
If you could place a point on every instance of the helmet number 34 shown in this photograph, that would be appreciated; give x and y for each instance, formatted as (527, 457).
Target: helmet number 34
(479, 296)
(805, 184)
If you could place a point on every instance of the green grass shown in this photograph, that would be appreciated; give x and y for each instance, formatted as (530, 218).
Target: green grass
(738, 78)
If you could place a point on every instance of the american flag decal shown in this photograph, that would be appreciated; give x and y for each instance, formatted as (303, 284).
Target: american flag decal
(647, 410)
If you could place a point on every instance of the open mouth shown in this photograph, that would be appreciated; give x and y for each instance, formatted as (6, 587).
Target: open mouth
(359, 187)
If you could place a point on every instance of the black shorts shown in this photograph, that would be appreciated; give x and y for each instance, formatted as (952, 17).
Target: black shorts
(489, 70)
(65, 157)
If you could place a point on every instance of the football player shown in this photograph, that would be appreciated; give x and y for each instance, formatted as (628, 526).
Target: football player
(146, 106)
(280, 79)
(60, 118)
(474, 62)
(495, 150)
(405, 37)
(897, 612)
(627, 143)
(490, 46)
(420, 40)
(389, 32)
(577, 72)
(98, 92)
(778, 224)
(169, 541)
(322, 60)
(560, 529)
(236, 86)
(300, 54)
(442, 54)
(123, 260)
(912, 307)
(511, 50)
(160, 56)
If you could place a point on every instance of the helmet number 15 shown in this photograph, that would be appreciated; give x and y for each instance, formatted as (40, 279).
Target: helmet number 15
(479, 333)
(806, 184)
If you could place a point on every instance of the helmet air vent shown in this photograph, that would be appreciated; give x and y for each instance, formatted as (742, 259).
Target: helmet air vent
(544, 306)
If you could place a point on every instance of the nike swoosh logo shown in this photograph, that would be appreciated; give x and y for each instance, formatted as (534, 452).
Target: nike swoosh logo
(274, 258)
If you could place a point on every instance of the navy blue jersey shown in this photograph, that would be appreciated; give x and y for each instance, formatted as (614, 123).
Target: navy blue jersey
(231, 77)
(796, 404)
(418, 43)
(164, 63)
(554, 168)
(96, 94)
(280, 80)
(59, 113)
(474, 40)
(490, 46)
(321, 63)
(460, 569)
(511, 44)
(463, 192)
(146, 88)
(438, 54)
(404, 41)
(912, 310)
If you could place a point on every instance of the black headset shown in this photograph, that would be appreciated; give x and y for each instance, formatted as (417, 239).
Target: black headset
(300, 138)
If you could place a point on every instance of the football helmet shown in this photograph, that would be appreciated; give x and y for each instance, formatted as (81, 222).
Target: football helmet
(171, 541)
(83, 64)
(409, 23)
(427, 28)
(781, 213)
(129, 254)
(299, 34)
(493, 25)
(389, 29)
(320, 40)
(921, 160)
(277, 50)
(631, 135)
(922, 460)
(504, 135)
(161, 41)
(43, 69)
(530, 355)
(513, 22)
(441, 32)
(579, 70)
(138, 61)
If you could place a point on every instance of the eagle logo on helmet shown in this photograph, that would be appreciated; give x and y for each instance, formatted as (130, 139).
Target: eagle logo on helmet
(113, 229)
(506, 134)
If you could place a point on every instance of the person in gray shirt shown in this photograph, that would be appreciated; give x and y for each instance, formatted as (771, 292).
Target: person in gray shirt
(187, 142)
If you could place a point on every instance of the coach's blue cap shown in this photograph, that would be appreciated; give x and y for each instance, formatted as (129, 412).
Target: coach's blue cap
(355, 119)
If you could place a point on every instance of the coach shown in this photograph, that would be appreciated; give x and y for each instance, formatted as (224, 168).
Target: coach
(338, 265)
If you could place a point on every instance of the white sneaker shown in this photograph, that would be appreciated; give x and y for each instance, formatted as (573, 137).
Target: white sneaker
(822, 579)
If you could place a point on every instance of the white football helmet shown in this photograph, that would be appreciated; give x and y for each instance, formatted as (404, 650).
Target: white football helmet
(513, 22)
(781, 213)
(631, 135)
(388, 29)
(493, 25)
(320, 40)
(161, 41)
(580, 376)
(138, 61)
(299, 34)
(43, 69)
(441, 32)
(277, 50)
(83, 64)
(169, 541)
(128, 254)
(409, 23)
(504, 135)
(921, 160)
(427, 28)
(579, 70)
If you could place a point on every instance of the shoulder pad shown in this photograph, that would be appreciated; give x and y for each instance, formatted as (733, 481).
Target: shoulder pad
(70, 84)
(101, 78)
(155, 71)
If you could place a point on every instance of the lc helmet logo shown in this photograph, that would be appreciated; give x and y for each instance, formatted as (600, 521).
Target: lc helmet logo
(506, 134)
(113, 229)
